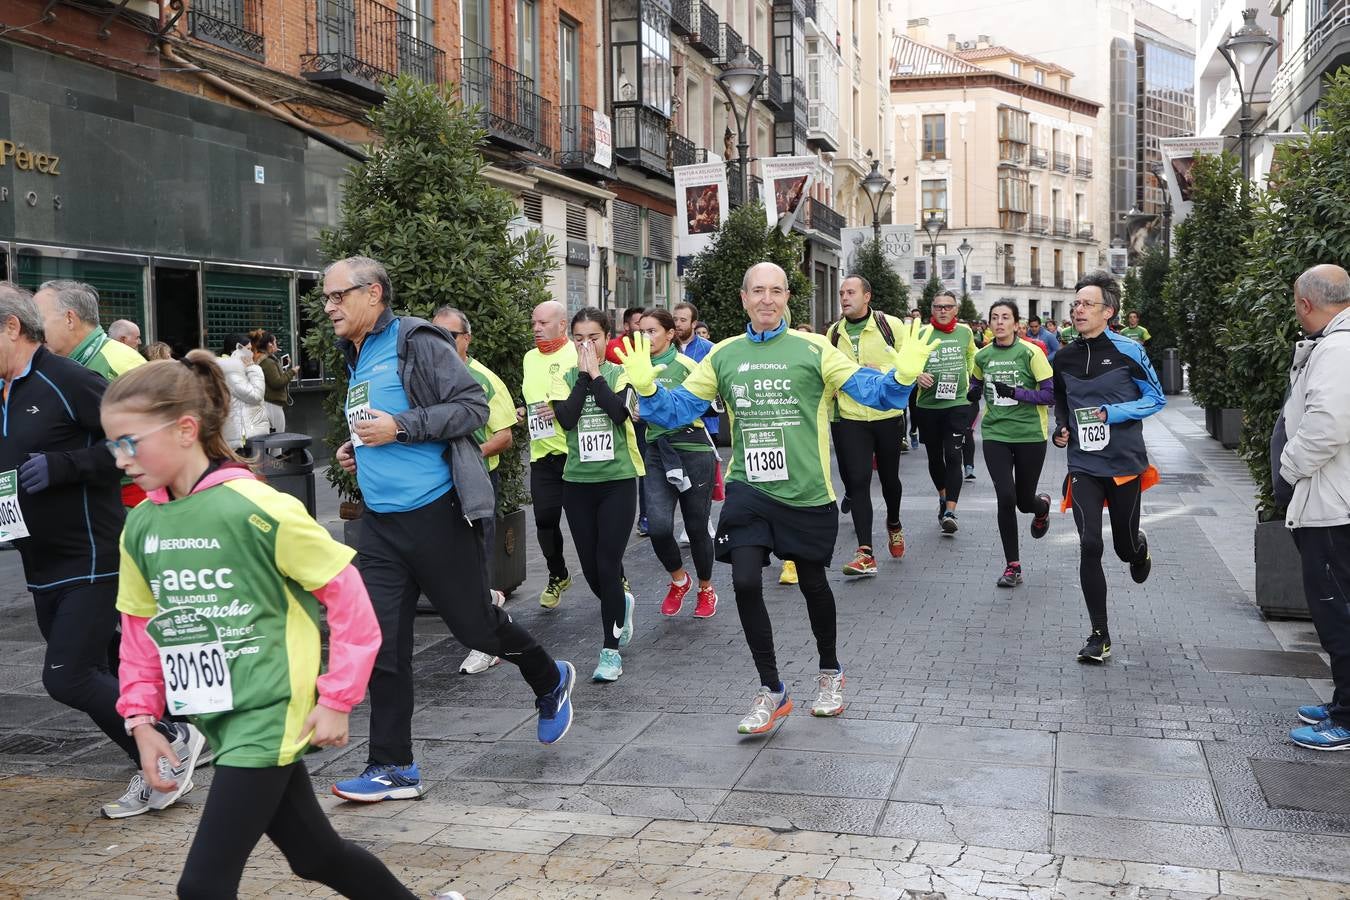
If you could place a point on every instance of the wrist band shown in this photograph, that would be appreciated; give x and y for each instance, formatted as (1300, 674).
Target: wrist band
(136, 721)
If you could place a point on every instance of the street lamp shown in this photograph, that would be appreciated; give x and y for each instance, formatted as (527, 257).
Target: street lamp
(1250, 45)
(933, 226)
(965, 250)
(1158, 170)
(876, 186)
(740, 80)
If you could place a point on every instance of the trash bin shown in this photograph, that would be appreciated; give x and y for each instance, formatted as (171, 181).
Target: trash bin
(1171, 371)
(285, 461)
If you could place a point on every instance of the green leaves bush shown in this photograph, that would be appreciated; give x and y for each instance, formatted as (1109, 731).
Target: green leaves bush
(420, 206)
(713, 277)
(1143, 288)
(890, 294)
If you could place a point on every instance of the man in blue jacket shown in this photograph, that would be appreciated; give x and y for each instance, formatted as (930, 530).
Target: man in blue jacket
(1104, 388)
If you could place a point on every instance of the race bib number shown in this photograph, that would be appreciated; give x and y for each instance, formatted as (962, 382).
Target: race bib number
(12, 525)
(945, 389)
(595, 439)
(358, 409)
(196, 675)
(541, 422)
(1093, 434)
(996, 400)
(765, 455)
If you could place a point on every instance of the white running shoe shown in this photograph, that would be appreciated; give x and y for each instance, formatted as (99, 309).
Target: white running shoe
(187, 747)
(134, 802)
(830, 698)
(478, 661)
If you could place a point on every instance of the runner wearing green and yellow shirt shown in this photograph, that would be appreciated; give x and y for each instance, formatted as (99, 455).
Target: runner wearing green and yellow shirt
(1017, 385)
(1134, 331)
(779, 386)
(600, 479)
(943, 412)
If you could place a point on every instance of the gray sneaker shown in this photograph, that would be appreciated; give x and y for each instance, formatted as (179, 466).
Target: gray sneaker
(134, 802)
(187, 747)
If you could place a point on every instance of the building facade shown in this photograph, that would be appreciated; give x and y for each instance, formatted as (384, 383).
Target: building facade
(1164, 107)
(1315, 41)
(999, 149)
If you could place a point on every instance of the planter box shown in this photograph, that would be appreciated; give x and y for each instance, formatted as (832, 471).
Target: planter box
(1212, 422)
(507, 559)
(1279, 573)
(1229, 428)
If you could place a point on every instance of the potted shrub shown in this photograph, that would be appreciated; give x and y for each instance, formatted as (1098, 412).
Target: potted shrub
(420, 206)
(1143, 294)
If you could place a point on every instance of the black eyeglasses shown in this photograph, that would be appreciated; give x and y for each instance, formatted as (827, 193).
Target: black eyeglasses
(455, 334)
(336, 297)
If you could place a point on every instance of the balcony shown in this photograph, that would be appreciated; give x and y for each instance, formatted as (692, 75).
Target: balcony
(356, 44)
(772, 92)
(1009, 272)
(508, 106)
(1037, 224)
(734, 197)
(1037, 158)
(546, 128)
(1062, 228)
(729, 44)
(1059, 278)
(705, 37)
(682, 13)
(822, 126)
(640, 138)
(1084, 231)
(1035, 276)
(1011, 153)
(1082, 166)
(810, 8)
(818, 216)
(1313, 56)
(232, 24)
(682, 151)
(1061, 161)
(576, 143)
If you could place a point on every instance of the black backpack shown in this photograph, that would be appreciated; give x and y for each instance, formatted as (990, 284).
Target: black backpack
(882, 325)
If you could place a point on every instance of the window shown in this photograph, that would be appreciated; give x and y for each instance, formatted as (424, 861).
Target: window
(1033, 199)
(1013, 125)
(476, 28)
(1063, 83)
(1040, 76)
(934, 196)
(1009, 265)
(569, 80)
(640, 39)
(1012, 190)
(1035, 265)
(1081, 270)
(1080, 209)
(1016, 69)
(693, 112)
(1056, 204)
(527, 38)
(935, 137)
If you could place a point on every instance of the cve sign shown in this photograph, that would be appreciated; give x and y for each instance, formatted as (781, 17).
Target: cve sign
(28, 160)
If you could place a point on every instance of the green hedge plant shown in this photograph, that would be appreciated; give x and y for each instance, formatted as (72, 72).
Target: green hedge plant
(1143, 293)
(890, 294)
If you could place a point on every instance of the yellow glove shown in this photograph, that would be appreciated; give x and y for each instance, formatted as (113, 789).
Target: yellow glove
(635, 354)
(913, 351)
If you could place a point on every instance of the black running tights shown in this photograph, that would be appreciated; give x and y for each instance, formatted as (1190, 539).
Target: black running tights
(1089, 492)
(600, 516)
(943, 432)
(245, 804)
(1015, 470)
(747, 578)
(855, 443)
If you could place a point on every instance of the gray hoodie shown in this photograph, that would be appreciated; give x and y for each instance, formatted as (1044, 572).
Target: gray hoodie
(446, 404)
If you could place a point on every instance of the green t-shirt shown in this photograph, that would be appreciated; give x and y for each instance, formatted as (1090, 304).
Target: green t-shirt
(1067, 336)
(1005, 419)
(597, 449)
(501, 411)
(105, 356)
(677, 368)
(779, 394)
(1137, 333)
(854, 331)
(950, 367)
(247, 559)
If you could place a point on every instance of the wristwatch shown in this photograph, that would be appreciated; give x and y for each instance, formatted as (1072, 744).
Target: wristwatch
(136, 721)
(401, 436)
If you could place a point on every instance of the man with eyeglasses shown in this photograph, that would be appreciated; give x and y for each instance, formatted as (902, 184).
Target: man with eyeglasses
(61, 505)
(942, 410)
(413, 409)
(1104, 388)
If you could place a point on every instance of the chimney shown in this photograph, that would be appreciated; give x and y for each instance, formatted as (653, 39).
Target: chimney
(951, 43)
(917, 30)
(981, 42)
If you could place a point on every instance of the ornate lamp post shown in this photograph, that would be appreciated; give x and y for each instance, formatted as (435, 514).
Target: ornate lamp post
(740, 80)
(933, 226)
(1251, 45)
(965, 251)
(876, 185)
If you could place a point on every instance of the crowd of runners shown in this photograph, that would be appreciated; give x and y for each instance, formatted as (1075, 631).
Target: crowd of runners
(180, 595)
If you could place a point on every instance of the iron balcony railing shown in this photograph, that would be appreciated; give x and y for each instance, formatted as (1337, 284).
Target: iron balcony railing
(1059, 278)
(704, 38)
(682, 151)
(1035, 276)
(1061, 161)
(822, 218)
(233, 24)
(641, 137)
(734, 186)
(576, 141)
(810, 9)
(1320, 33)
(546, 127)
(772, 92)
(1063, 227)
(1011, 152)
(729, 44)
(1037, 224)
(682, 13)
(1085, 231)
(1083, 166)
(755, 57)
(1009, 271)
(510, 108)
(354, 44)
(1037, 158)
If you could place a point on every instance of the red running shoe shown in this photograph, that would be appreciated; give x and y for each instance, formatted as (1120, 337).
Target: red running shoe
(707, 603)
(675, 597)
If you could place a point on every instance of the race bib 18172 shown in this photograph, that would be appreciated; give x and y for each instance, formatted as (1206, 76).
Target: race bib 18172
(595, 438)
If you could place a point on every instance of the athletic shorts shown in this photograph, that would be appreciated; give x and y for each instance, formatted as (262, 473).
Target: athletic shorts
(546, 481)
(751, 518)
(935, 425)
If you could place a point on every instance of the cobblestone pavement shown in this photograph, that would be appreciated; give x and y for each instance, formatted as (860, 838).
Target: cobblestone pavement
(969, 726)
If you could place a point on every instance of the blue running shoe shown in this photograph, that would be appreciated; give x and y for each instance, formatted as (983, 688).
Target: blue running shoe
(642, 526)
(555, 707)
(1325, 735)
(1314, 714)
(610, 668)
(383, 782)
(625, 634)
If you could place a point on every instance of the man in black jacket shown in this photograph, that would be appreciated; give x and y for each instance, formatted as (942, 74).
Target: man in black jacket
(61, 504)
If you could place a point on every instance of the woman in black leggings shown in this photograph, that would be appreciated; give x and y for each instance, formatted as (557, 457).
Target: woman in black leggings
(600, 479)
(1017, 384)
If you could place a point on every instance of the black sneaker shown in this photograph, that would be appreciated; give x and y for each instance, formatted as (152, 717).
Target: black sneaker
(948, 521)
(970, 473)
(1139, 570)
(845, 506)
(1041, 524)
(1011, 577)
(1097, 648)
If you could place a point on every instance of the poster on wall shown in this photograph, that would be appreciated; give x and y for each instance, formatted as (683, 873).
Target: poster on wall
(897, 243)
(604, 141)
(1181, 153)
(701, 198)
(787, 183)
(1119, 261)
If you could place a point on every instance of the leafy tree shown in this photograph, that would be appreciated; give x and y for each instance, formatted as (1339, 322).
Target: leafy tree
(967, 311)
(1209, 249)
(930, 290)
(420, 206)
(890, 294)
(1143, 289)
(713, 277)
(1303, 220)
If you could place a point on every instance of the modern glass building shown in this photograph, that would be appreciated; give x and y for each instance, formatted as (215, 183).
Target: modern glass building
(1164, 107)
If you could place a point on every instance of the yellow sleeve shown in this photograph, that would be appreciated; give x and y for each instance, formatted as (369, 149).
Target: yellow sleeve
(1147, 336)
(898, 329)
(702, 379)
(133, 593)
(304, 551)
(1040, 366)
(976, 372)
(835, 367)
(501, 409)
(970, 351)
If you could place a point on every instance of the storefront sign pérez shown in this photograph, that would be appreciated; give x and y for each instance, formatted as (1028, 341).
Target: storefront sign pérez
(28, 160)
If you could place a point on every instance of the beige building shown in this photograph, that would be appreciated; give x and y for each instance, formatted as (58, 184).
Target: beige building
(996, 145)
